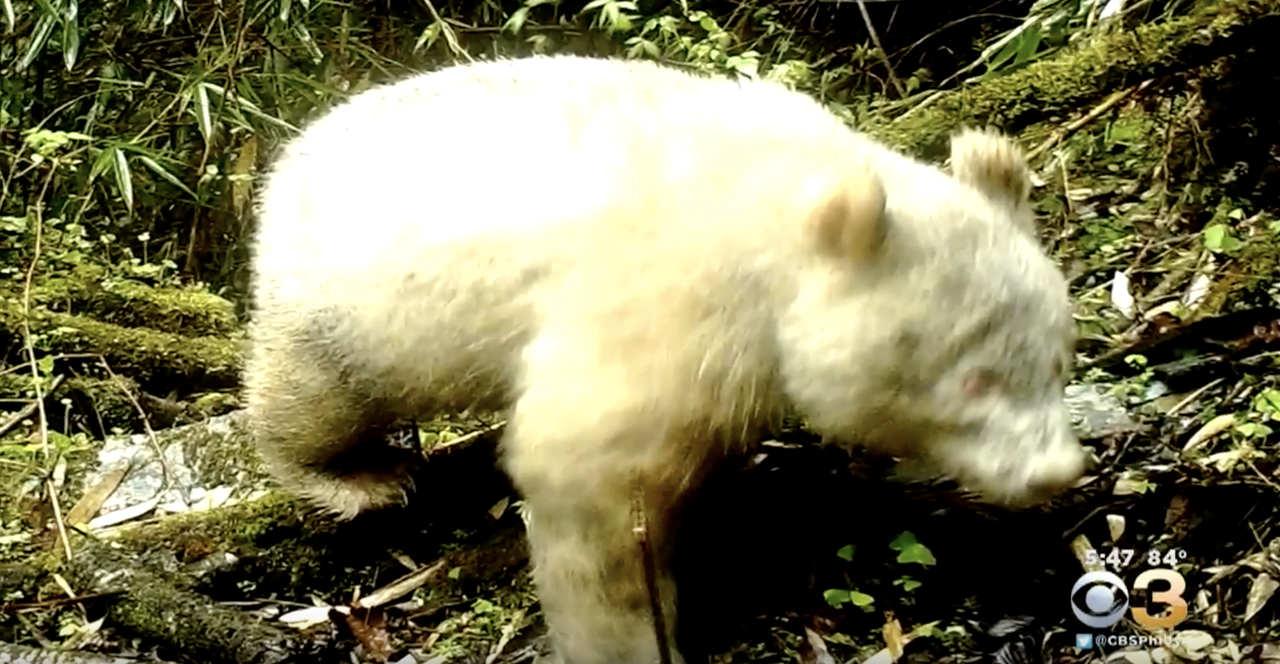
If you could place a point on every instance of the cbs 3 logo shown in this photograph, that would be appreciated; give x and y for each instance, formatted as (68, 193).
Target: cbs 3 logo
(1099, 599)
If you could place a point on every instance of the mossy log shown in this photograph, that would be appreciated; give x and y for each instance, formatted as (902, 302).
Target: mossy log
(88, 290)
(160, 361)
(157, 602)
(1083, 74)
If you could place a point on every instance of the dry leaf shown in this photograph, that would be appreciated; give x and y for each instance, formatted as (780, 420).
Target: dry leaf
(370, 631)
(499, 508)
(310, 616)
(1121, 298)
(1191, 644)
(892, 631)
(124, 514)
(814, 649)
(1115, 526)
(1214, 427)
(1260, 591)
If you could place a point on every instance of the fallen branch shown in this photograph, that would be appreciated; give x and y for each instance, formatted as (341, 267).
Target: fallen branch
(152, 357)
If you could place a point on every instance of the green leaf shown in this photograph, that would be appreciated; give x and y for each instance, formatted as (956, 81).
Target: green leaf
(204, 115)
(1028, 44)
(70, 43)
(911, 551)
(904, 539)
(45, 365)
(1010, 49)
(304, 35)
(9, 18)
(1136, 361)
(48, 9)
(1214, 236)
(517, 20)
(247, 106)
(164, 173)
(1253, 429)
(39, 37)
(1268, 402)
(846, 552)
(124, 178)
(13, 224)
(837, 597)
(917, 553)
(430, 35)
(860, 599)
(102, 162)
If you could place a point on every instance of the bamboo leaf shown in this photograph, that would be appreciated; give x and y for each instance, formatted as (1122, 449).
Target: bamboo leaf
(70, 41)
(247, 106)
(39, 37)
(516, 21)
(124, 179)
(165, 173)
(104, 160)
(1027, 46)
(9, 18)
(204, 116)
(242, 175)
(48, 9)
(304, 35)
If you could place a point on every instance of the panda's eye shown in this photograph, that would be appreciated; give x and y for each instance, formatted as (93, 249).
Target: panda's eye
(980, 382)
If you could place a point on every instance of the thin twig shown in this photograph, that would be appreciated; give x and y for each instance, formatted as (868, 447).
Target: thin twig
(640, 529)
(60, 601)
(146, 424)
(467, 437)
(884, 56)
(1106, 105)
(38, 208)
(447, 31)
(401, 586)
(30, 408)
(56, 358)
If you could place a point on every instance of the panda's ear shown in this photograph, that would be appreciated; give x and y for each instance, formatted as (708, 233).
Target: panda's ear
(993, 163)
(849, 221)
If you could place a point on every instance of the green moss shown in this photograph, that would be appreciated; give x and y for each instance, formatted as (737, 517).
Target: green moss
(1070, 80)
(90, 290)
(105, 398)
(150, 356)
(232, 528)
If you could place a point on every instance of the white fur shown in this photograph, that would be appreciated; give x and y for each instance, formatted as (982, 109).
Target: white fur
(626, 257)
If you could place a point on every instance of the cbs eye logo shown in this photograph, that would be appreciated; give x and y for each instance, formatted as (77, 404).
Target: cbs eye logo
(1099, 599)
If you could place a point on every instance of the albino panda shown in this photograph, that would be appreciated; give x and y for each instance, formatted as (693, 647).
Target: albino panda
(645, 267)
